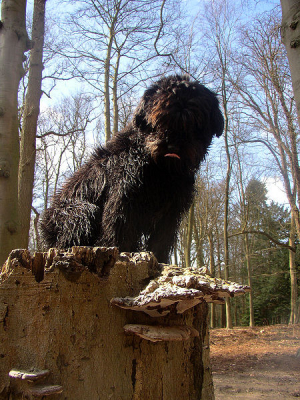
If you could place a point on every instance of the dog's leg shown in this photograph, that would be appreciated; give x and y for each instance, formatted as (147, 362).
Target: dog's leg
(162, 239)
(70, 223)
(118, 227)
(74, 218)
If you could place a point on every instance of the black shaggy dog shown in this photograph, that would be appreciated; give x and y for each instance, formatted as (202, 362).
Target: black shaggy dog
(133, 192)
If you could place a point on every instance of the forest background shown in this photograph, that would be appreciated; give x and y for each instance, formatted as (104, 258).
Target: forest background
(98, 58)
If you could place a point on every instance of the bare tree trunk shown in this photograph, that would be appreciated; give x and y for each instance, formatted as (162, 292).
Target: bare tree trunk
(107, 66)
(245, 221)
(226, 214)
(13, 43)
(290, 34)
(175, 252)
(293, 276)
(223, 306)
(107, 126)
(189, 236)
(199, 246)
(38, 245)
(249, 271)
(30, 117)
(213, 273)
(115, 96)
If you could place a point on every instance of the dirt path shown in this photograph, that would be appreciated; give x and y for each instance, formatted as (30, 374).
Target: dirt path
(259, 363)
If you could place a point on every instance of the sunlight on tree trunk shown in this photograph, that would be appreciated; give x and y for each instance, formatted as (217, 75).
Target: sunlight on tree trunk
(249, 272)
(244, 223)
(293, 276)
(107, 91)
(189, 236)
(213, 273)
(226, 202)
(115, 95)
(290, 35)
(30, 117)
(13, 43)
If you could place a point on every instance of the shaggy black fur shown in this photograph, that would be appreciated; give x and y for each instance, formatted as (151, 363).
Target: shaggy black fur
(133, 193)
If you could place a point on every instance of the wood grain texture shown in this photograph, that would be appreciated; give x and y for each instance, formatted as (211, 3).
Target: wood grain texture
(66, 324)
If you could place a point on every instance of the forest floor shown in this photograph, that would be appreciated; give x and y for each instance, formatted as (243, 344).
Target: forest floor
(257, 363)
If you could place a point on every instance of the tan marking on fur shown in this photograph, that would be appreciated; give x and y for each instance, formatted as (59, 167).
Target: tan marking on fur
(152, 144)
(159, 108)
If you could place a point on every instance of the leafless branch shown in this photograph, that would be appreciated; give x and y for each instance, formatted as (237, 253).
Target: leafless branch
(256, 232)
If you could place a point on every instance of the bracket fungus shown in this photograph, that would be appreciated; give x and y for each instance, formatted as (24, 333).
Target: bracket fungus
(180, 288)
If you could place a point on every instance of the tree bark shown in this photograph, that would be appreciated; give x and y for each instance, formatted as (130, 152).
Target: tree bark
(249, 272)
(115, 95)
(66, 329)
(198, 243)
(30, 118)
(293, 275)
(226, 215)
(107, 125)
(189, 237)
(213, 273)
(290, 34)
(13, 43)
(107, 66)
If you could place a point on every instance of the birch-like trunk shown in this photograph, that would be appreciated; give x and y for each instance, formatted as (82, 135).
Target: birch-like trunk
(31, 113)
(290, 35)
(13, 43)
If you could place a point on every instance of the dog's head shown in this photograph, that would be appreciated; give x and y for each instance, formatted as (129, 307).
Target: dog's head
(179, 118)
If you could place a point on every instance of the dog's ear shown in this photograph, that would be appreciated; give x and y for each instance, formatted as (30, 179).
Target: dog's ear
(139, 116)
(216, 119)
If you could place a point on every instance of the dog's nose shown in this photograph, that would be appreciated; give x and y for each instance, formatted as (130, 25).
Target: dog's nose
(172, 148)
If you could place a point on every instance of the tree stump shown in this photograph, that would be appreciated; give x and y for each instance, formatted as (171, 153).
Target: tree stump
(64, 332)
